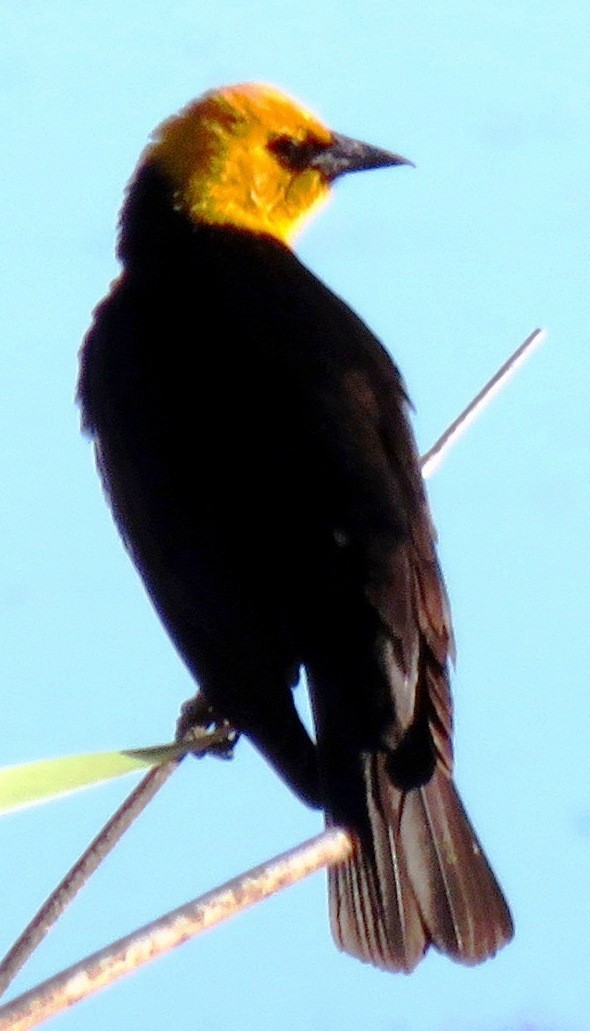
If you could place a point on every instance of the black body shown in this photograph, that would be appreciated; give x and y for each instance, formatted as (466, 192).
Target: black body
(253, 438)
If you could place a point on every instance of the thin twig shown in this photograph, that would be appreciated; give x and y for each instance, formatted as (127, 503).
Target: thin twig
(90, 860)
(125, 955)
(434, 457)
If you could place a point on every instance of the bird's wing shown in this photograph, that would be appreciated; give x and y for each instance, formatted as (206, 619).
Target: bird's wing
(382, 512)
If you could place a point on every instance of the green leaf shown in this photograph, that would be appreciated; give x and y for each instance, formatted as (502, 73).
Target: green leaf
(37, 782)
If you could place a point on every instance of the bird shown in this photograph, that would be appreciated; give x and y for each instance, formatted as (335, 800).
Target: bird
(254, 442)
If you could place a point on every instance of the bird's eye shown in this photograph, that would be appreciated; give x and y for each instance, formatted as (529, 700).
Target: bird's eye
(295, 154)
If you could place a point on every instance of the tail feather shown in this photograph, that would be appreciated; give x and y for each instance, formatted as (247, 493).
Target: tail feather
(418, 877)
(462, 905)
(373, 912)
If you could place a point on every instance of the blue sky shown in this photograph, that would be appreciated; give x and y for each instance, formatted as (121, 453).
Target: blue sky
(452, 264)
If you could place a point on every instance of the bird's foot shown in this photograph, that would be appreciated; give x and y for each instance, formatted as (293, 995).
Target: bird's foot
(197, 718)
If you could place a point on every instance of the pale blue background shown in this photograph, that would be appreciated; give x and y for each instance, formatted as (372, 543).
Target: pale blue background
(452, 264)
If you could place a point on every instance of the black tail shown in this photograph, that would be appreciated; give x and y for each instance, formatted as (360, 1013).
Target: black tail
(418, 877)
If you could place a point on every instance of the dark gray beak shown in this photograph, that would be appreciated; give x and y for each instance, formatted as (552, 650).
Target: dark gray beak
(347, 155)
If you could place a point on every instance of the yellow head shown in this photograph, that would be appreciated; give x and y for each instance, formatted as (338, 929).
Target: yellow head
(250, 157)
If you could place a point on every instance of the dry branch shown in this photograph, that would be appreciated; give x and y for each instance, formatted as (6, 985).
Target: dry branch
(125, 955)
(434, 457)
(90, 860)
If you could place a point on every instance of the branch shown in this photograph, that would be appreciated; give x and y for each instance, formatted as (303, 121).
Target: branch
(125, 955)
(91, 859)
(434, 457)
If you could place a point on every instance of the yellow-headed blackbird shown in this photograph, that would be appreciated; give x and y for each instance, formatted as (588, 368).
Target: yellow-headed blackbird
(253, 439)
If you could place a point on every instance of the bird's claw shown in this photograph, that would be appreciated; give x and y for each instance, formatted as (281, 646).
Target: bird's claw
(197, 719)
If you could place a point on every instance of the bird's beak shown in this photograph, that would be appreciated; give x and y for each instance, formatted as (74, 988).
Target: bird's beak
(344, 154)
